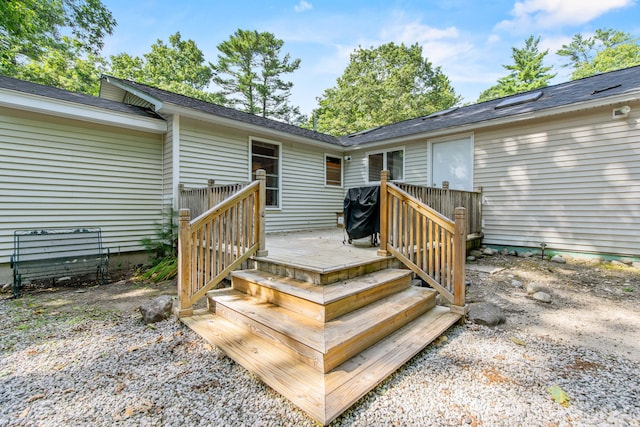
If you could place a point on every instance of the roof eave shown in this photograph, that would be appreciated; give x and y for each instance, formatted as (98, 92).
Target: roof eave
(553, 111)
(157, 104)
(73, 110)
(170, 108)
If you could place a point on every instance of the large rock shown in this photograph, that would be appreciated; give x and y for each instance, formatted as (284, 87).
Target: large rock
(542, 297)
(533, 287)
(157, 309)
(558, 259)
(486, 313)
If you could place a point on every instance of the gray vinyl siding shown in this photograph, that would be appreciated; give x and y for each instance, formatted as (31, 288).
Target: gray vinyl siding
(212, 152)
(65, 173)
(416, 163)
(572, 182)
(306, 202)
(222, 154)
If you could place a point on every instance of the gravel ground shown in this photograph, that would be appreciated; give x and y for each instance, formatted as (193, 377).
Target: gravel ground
(89, 366)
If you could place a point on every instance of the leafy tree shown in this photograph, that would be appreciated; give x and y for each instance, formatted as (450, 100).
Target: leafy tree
(383, 85)
(33, 29)
(177, 67)
(66, 68)
(526, 73)
(249, 71)
(606, 50)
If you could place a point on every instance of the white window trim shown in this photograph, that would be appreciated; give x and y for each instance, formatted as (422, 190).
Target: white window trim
(341, 170)
(280, 161)
(456, 137)
(384, 152)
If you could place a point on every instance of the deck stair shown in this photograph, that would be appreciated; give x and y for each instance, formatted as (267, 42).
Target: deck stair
(322, 339)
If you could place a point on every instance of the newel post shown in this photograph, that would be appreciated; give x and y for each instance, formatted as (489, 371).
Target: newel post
(459, 257)
(261, 176)
(384, 214)
(185, 308)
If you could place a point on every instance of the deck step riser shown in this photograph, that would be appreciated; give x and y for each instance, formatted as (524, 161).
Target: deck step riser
(294, 348)
(356, 343)
(326, 277)
(320, 345)
(282, 299)
(321, 312)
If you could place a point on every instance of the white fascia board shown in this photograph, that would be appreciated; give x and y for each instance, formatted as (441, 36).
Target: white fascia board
(60, 108)
(157, 104)
(588, 105)
(248, 127)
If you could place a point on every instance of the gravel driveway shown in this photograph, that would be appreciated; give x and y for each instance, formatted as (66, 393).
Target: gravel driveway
(66, 363)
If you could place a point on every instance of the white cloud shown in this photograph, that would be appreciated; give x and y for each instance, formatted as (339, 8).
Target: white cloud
(529, 14)
(302, 6)
(493, 39)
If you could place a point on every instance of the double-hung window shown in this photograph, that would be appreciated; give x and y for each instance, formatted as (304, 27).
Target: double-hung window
(392, 160)
(332, 171)
(266, 156)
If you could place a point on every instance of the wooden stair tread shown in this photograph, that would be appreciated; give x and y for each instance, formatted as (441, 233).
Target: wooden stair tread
(347, 383)
(321, 294)
(296, 381)
(325, 337)
(298, 327)
(322, 396)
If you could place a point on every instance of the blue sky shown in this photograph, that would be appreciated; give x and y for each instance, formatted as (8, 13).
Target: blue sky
(469, 40)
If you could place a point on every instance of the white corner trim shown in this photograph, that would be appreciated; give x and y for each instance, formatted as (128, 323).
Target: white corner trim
(175, 158)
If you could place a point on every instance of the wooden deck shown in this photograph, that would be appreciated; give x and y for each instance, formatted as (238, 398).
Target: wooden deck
(321, 322)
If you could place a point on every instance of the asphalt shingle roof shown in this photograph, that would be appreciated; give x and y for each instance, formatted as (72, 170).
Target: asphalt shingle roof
(78, 98)
(230, 113)
(600, 86)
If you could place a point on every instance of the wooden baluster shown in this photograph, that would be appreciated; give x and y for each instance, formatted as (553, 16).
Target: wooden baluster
(261, 175)
(384, 214)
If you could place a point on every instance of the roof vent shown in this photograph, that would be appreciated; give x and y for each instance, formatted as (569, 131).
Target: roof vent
(521, 99)
(440, 113)
(363, 132)
(604, 89)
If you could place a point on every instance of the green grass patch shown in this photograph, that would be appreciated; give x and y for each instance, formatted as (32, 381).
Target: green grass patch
(166, 269)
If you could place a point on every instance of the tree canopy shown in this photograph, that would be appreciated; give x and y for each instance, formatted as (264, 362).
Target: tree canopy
(250, 71)
(526, 73)
(606, 50)
(177, 67)
(32, 31)
(383, 85)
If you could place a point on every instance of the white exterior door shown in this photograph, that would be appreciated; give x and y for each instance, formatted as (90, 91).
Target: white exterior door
(453, 161)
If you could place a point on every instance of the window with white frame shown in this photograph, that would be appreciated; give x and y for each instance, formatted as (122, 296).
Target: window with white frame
(332, 171)
(266, 156)
(392, 160)
(452, 161)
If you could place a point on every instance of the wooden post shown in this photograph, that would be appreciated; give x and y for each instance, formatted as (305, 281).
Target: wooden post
(459, 258)
(384, 214)
(261, 175)
(185, 308)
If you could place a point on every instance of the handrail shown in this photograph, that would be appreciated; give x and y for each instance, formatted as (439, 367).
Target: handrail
(218, 241)
(424, 240)
(445, 200)
(201, 199)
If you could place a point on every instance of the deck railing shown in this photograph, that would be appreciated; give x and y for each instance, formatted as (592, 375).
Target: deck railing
(200, 200)
(430, 244)
(446, 201)
(218, 241)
